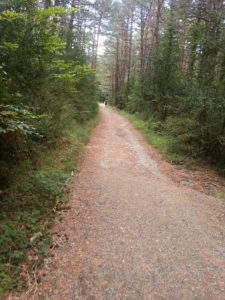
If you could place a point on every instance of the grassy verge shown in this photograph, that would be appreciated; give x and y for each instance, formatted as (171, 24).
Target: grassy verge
(29, 207)
(157, 138)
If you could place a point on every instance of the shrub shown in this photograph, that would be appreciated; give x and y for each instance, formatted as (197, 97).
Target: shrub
(183, 129)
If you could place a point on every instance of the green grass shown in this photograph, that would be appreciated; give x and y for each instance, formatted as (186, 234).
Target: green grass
(29, 206)
(157, 138)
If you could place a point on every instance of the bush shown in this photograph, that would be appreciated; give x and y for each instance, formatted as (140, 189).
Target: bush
(49, 185)
(157, 126)
(176, 126)
(183, 129)
(24, 214)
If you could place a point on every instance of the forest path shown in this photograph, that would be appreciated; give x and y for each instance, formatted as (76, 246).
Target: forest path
(132, 233)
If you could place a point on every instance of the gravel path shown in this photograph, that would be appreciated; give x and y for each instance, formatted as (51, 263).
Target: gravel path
(132, 233)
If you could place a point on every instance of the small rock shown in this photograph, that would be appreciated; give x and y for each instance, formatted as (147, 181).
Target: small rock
(123, 230)
(35, 236)
(187, 182)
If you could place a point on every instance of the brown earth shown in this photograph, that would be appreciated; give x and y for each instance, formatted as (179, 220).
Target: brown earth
(133, 231)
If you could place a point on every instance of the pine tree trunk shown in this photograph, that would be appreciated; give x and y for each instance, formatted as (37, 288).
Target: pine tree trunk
(141, 75)
(117, 72)
(47, 3)
(183, 32)
(130, 51)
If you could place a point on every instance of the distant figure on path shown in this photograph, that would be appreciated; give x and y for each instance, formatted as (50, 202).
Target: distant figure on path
(105, 102)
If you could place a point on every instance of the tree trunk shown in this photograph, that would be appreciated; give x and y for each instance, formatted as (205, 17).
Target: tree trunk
(47, 3)
(122, 57)
(146, 33)
(130, 51)
(141, 75)
(117, 72)
(183, 32)
(97, 41)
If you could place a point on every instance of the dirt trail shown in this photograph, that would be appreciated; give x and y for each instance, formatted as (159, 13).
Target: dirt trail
(132, 233)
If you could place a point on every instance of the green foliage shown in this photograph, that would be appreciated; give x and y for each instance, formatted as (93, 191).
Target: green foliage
(180, 125)
(29, 204)
(48, 185)
(23, 211)
(183, 129)
(44, 83)
(48, 101)
(14, 118)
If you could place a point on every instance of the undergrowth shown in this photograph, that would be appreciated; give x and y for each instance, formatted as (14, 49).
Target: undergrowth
(155, 134)
(29, 206)
(171, 147)
(175, 149)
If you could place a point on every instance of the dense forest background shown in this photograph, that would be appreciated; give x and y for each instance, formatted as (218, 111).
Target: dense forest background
(165, 61)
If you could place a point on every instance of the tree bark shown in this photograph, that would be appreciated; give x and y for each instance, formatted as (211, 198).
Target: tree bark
(47, 3)
(130, 51)
(141, 75)
(182, 38)
(117, 72)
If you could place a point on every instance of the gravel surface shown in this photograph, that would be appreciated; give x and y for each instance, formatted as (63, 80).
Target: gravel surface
(132, 232)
